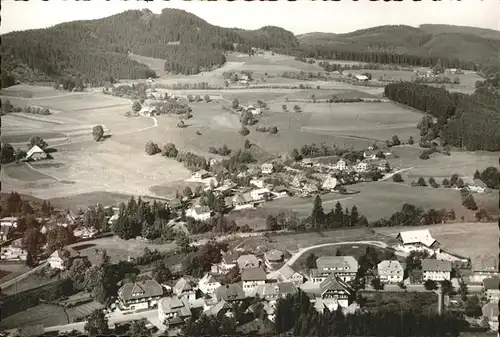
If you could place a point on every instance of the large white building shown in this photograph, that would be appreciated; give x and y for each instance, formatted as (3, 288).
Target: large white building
(419, 241)
(345, 268)
(208, 284)
(436, 270)
(390, 271)
(200, 213)
(251, 278)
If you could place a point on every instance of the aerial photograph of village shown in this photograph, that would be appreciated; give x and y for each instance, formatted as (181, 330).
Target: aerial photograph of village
(212, 169)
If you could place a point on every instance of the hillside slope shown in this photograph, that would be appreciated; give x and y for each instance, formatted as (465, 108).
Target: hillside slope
(458, 46)
(97, 49)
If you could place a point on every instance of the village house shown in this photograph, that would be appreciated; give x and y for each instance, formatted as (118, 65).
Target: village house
(61, 258)
(362, 166)
(12, 252)
(370, 154)
(490, 288)
(484, 266)
(173, 311)
(269, 308)
(306, 162)
(279, 191)
(230, 293)
(10, 221)
(260, 193)
(139, 295)
(200, 213)
(208, 284)
(344, 267)
(221, 308)
(418, 240)
(229, 260)
(288, 274)
(310, 188)
(490, 311)
(148, 110)
(337, 291)
(342, 165)
(275, 291)
(478, 186)
(251, 278)
(248, 261)
(267, 168)
(201, 174)
(361, 78)
(390, 271)
(298, 181)
(436, 270)
(329, 184)
(185, 288)
(245, 200)
(273, 257)
(259, 183)
(36, 153)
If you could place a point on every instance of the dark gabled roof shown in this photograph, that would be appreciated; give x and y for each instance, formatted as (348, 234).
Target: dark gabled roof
(253, 274)
(230, 292)
(333, 283)
(230, 257)
(491, 283)
(148, 288)
(485, 263)
(436, 265)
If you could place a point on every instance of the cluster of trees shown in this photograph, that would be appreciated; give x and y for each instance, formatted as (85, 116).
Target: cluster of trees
(7, 107)
(468, 200)
(296, 314)
(490, 176)
(139, 218)
(234, 76)
(437, 79)
(336, 218)
(372, 66)
(8, 154)
(464, 121)
(152, 148)
(224, 150)
(301, 75)
(271, 129)
(323, 150)
(69, 83)
(411, 215)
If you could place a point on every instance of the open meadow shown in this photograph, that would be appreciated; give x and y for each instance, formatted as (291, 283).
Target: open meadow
(46, 314)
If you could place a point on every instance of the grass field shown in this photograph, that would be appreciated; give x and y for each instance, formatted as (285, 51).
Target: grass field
(82, 310)
(24, 172)
(8, 271)
(46, 314)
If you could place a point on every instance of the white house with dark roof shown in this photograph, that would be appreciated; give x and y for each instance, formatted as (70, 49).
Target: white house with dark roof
(484, 266)
(337, 291)
(418, 240)
(36, 153)
(267, 168)
(344, 267)
(258, 194)
(288, 274)
(342, 164)
(200, 213)
(273, 257)
(139, 295)
(390, 271)
(436, 270)
(230, 293)
(251, 278)
(248, 261)
(491, 288)
(173, 311)
(275, 291)
(208, 284)
(229, 260)
(201, 174)
(330, 183)
(185, 287)
(361, 78)
(60, 258)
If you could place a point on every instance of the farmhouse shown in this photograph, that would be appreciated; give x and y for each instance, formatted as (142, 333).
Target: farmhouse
(333, 288)
(245, 200)
(436, 270)
(259, 194)
(274, 291)
(200, 213)
(185, 288)
(229, 260)
(342, 165)
(230, 293)
(310, 188)
(490, 311)
(251, 278)
(484, 266)
(148, 110)
(201, 174)
(208, 284)
(390, 271)
(221, 308)
(361, 78)
(330, 183)
(419, 240)
(287, 274)
(173, 311)
(344, 267)
(36, 153)
(362, 166)
(259, 183)
(280, 191)
(248, 261)
(478, 186)
(139, 295)
(267, 168)
(490, 288)
(273, 257)
(61, 257)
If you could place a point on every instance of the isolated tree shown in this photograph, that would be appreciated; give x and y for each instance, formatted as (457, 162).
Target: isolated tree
(284, 107)
(354, 216)
(190, 98)
(424, 155)
(460, 183)
(7, 153)
(7, 106)
(313, 97)
(454, 179)
(296, 108)
(446, 183)
(207, 98)
(411, 141)
(317, 214)
(97, 133)
(273, 130)
(377, 284)
(421, 182)
(430, 285)
(152, 148)
(296, 155)
(187, 192)
(469, 202)
(197, 98)
(271, 223)
(97, 323)
(397, 178)
(446, 287)
(37, 140)
(244, 131)
(169, 150)
(136, 106)
(477, 175)
(235, 104)
(311, 261)
(247, 144)
(433, 183)
(395, 140)
(161, 273)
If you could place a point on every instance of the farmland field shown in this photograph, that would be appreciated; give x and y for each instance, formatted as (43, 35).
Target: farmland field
(46, 314)
(24, 173)
(82, 310)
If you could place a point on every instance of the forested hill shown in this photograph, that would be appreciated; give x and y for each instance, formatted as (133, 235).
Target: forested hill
(464, 47)
(97, 49)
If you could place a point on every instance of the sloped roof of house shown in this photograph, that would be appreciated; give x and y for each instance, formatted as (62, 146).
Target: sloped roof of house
(338, 262)
(436, 265)
(390, 265)
(217, 308)
(182, 285)
(201, 172)
(274, 255)
(230, 292)
(33, 150)
(491, 283)
(230, 257)
(490, 310)
(247, 260)
(66, 253)
(479, 183)
(333, 283)
(286, 288)
(148, 288)
(280, 188)
(175, 305)
(253, 274)
(268, 289)
(330, 182)
(419, 236)
(243, 198)
(286, 271)
(362, 77)
(201, 210)
(485, 263)
(208, 278)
